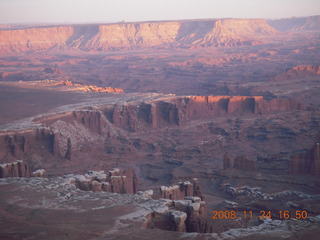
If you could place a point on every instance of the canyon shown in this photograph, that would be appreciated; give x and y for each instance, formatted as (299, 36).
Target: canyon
(150, 127)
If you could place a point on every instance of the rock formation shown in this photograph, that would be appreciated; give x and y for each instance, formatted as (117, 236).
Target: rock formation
(63, 135)
(114, 181)
(194, 33)
(17, 144)
(296, 24)
(181, 190)
(39, 173)
(179, 110)
(15, 169)
(186, 209)
(187, 215)
(299, 72)
(176, 192)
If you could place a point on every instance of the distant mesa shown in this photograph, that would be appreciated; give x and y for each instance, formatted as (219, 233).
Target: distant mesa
(108, 37)
(311, 23)
(301, 71)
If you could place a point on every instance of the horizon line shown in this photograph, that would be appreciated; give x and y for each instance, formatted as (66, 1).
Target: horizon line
(145, 21)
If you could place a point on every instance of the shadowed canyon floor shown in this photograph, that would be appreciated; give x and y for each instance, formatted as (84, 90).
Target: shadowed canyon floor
(225, 112)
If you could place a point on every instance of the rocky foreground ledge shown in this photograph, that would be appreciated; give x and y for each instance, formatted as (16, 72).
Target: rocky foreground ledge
(54, 208)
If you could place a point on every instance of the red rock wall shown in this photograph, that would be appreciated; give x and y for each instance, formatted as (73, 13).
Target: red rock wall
(142, 116)
(204, 107)
(179, 110)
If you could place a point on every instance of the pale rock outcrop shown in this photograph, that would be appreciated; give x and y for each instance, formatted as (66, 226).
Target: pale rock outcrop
(39, 173)
(147, 193)
(180, 191)
(114, 172)
(115, 181)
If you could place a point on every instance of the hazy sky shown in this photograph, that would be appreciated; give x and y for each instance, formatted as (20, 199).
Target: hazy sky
(59, 11)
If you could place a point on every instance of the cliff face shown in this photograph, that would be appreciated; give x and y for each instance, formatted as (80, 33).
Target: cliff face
(21, 40)
(180, 110)
(195, 33)
(118, 130)
(212, 106)
(16, 145)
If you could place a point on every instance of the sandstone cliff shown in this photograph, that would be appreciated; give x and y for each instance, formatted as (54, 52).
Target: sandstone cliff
(192, 33)
(179, 110)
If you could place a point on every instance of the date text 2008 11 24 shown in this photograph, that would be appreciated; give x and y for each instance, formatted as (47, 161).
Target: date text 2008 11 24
(261, 215)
